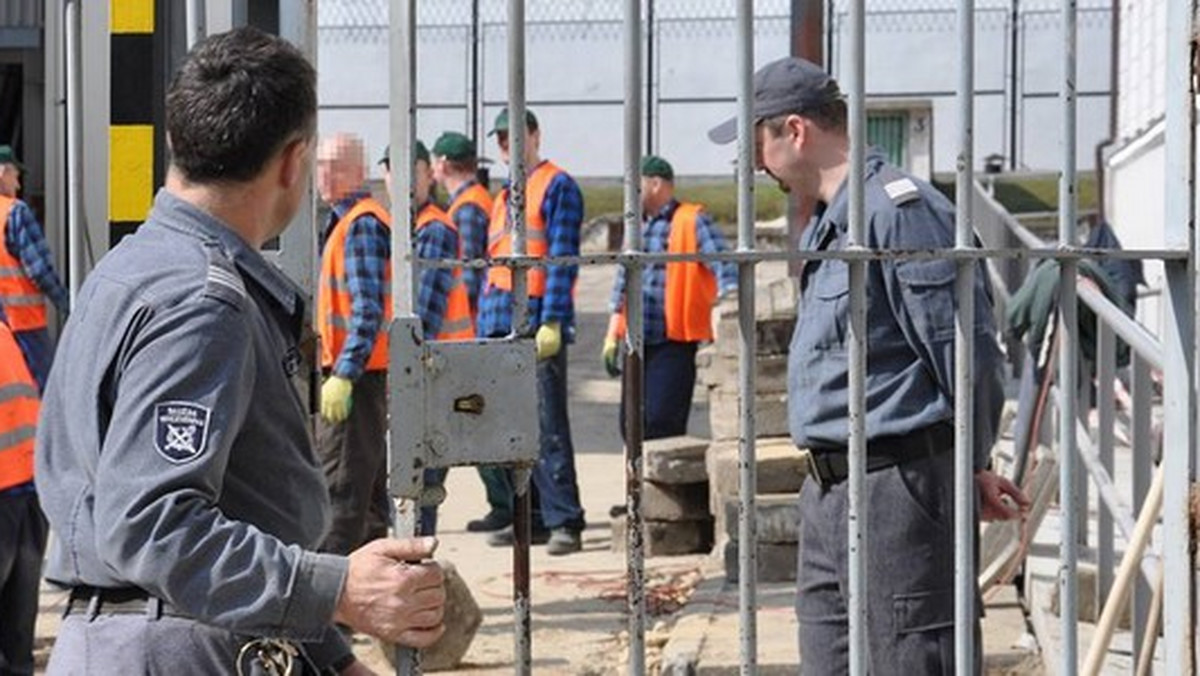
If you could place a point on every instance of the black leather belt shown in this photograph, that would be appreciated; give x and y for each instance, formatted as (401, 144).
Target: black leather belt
(92, 601)
(831, 466)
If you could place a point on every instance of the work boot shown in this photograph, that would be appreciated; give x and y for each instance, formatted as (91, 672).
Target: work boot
(564, 541)
(506, 536)
(492, 521)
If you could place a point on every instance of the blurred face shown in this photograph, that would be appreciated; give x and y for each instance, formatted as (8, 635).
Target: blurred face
(422, 181)
(439, 169)
(10, 180)
(340, 169)
(533, 143)
(656, 192)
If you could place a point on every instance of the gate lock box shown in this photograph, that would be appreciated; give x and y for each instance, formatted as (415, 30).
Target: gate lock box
(458, 403)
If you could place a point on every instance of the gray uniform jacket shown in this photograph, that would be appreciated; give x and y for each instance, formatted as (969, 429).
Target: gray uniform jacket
(173, 452)
(910, 323)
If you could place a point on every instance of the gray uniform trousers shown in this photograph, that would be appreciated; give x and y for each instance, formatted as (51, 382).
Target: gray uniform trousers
(910, 572)
(22, 544)
(354, 456)
(152, 645)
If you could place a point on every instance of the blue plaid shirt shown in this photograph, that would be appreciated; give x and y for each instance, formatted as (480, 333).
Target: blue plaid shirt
(563, 210)
(435, 241)
(656, 234)
(472, 224)
(368, 250)
(24, 241)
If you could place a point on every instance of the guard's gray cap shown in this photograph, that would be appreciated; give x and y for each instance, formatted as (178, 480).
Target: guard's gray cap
(789, 85)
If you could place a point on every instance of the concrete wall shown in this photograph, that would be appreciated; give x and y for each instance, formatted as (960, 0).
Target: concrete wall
(1136, 199)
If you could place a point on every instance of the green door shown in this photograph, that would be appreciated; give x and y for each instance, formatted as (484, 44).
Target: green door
(888, 131)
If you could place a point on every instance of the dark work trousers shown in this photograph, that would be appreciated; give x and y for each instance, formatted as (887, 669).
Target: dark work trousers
(354, 455)
(910, 572)
(22, 545)
(498, 489)
(670, 377)
(555, 490)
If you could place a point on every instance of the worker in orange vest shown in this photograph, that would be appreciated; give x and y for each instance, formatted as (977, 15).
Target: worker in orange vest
(677, 301)
(554, 215)
(442, 301)
(354, 307)
(22, 527)
(27, 275)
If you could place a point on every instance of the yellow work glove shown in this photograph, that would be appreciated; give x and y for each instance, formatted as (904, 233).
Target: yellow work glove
(335, 398)
(611, 357)
(549, 340)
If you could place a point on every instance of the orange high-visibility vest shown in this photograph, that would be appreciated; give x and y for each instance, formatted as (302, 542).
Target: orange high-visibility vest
(22, 299)
(691, 287)
(456, 322)
(18, 413)
(537, 244)
(477, 195)
(334, 303)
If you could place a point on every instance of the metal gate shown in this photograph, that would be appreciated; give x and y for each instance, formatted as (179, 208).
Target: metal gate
(1176, 354)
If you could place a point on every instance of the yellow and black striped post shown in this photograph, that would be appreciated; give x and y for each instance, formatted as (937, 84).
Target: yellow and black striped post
(135, 152)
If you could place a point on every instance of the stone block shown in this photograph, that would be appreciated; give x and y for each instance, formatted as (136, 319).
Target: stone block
(722, 372)
(777, 518)
(462, 620)
(675, 460)
(776, 562)
(781, 470)
(774, 335)
(675, 502)
(770, 414)
(667, 538)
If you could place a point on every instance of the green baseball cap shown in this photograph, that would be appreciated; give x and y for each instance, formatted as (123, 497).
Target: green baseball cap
(501, 125)
(655, 166)
(454, 146)
(422, 153)
(7, 156)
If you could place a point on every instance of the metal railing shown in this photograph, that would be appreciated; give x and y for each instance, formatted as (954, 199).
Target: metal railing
(1175, 354)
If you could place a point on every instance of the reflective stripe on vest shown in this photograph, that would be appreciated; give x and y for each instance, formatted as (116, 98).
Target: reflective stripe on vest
(23, 301)
(456, 322)
(691, 288)
(536, 244)
(334, 303)
(18, 413)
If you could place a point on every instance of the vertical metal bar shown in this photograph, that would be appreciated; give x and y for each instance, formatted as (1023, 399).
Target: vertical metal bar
(747, 466)
(1179, 332)
(195, 13)
(856, 481)
(1068, 356)
(522, 514)
(402, 137)
(634, 376)
(965, 577)
(650, 66)
(1014, 80)
(75, 220)
(1142, 448)
(1106, 373)
(474, 58)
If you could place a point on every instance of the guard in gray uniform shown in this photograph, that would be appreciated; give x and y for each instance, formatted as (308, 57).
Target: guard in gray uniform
(173, 456)
(802, 142)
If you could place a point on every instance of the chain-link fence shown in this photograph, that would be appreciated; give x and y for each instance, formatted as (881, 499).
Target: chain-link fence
(575, 81)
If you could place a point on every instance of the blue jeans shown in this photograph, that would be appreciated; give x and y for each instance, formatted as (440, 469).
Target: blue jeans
(554, 474)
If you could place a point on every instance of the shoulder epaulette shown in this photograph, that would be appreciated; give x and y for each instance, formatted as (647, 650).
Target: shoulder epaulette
(222, 281)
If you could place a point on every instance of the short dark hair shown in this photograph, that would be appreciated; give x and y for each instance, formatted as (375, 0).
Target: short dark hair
(469, 166)
(238, 99)
(829, 116)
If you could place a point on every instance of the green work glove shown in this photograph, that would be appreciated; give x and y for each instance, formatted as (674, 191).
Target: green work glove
(611, 357)
(335, 398)
(549, 340)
